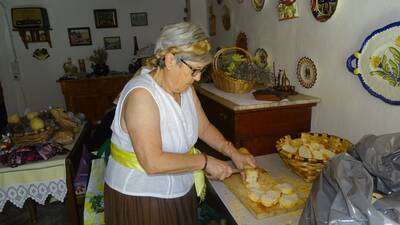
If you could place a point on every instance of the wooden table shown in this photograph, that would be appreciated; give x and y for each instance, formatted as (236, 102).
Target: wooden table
(38, 180)
(237, 213)
(253, 124)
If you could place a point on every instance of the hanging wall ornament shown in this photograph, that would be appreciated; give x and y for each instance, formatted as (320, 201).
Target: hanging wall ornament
(212, 21)
(261, 58)
(226, 17)
(258, 4)
(241, 40)
(41, 54)
(287, 9)
(377, 63)
(306, 72)
(323, 9)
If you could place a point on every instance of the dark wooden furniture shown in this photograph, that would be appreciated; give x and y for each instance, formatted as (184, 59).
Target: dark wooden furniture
(254, 127)
(3, 111)
(92, 96)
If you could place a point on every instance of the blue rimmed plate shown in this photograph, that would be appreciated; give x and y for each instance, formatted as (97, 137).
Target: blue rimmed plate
(377, 63)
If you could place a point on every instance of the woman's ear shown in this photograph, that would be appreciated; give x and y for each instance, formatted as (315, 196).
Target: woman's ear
(169, 61)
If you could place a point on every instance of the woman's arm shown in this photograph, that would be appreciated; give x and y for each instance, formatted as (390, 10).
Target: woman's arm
(211, 135)
(208, 133)
(141, 119)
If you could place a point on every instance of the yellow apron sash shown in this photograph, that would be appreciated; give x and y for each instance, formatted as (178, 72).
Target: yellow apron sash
(129, 160)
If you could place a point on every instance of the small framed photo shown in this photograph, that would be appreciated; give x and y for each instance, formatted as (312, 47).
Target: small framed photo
(105, 18)
(111, 43)
(139, 19)
(79, 36)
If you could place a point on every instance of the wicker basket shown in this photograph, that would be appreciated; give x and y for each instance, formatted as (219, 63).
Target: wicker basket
(32, 138)
(226, 82)
(308, 169)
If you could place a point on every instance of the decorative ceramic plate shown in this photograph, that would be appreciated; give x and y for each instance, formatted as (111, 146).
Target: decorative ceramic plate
(226, 17)
(287, 9)
(377, 63)
(306, 72)
(261, 58)
(258, 4)
(323, 9)
(241, 40)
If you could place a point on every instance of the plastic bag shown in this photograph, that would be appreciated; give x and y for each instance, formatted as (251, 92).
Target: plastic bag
(342, 195)
(381, 157)
(390, 207)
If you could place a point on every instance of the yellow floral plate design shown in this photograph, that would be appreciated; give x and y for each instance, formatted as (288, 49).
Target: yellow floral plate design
(377, 63)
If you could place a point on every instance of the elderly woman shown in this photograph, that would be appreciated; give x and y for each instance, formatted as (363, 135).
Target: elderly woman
(150, 174)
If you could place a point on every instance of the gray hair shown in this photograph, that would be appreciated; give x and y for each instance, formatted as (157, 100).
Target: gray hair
(188, 41)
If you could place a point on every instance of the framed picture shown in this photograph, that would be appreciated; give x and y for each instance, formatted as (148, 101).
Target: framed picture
(79, 36)
(139, 19)
(111, 43)
(105, 18)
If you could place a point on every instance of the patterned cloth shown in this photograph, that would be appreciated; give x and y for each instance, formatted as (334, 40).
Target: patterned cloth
(17, 194)
(94, 199)
(35, 180)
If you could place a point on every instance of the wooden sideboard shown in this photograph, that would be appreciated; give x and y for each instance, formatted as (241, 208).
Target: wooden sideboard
(92, 96)
(257, 126)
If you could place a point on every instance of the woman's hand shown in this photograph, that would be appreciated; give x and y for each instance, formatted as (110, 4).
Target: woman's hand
(242, 160)
(217, 169)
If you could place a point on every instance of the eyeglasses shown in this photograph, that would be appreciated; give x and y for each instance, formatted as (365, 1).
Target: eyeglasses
(195, 71)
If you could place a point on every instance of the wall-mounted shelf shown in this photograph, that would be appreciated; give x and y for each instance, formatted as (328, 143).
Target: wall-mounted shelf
(34, 35)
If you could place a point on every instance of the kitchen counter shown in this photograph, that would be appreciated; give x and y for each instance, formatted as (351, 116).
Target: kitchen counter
(253, 124)
(238, 102)
(240, 214)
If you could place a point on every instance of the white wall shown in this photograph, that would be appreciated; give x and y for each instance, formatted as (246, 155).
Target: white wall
(11, 88)
(38, 78)
(198, 13)
(347, 109)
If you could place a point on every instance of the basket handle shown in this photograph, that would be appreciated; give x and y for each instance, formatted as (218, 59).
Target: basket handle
(219, 53)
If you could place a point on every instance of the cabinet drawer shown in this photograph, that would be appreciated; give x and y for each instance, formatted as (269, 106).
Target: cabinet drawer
(273, 121)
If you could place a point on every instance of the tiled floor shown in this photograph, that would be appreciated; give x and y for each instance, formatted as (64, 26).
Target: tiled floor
(52, 214)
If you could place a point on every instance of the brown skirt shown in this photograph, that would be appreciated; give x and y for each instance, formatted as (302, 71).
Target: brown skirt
(121, 209)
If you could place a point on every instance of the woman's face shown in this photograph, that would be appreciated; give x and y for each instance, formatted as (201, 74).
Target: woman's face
(183, 73)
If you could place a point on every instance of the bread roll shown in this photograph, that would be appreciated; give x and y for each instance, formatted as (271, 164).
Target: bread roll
(327, 154)
(255, 194)
(285, 188)
(251, 176)
(305, 152)
(288, 201)
(317, 154)
(289, 148)
(270, 198)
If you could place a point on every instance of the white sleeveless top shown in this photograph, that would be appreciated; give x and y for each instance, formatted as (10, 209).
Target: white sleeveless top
(179, 132)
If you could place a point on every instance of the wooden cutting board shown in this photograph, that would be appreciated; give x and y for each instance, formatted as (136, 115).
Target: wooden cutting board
(236, 186)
